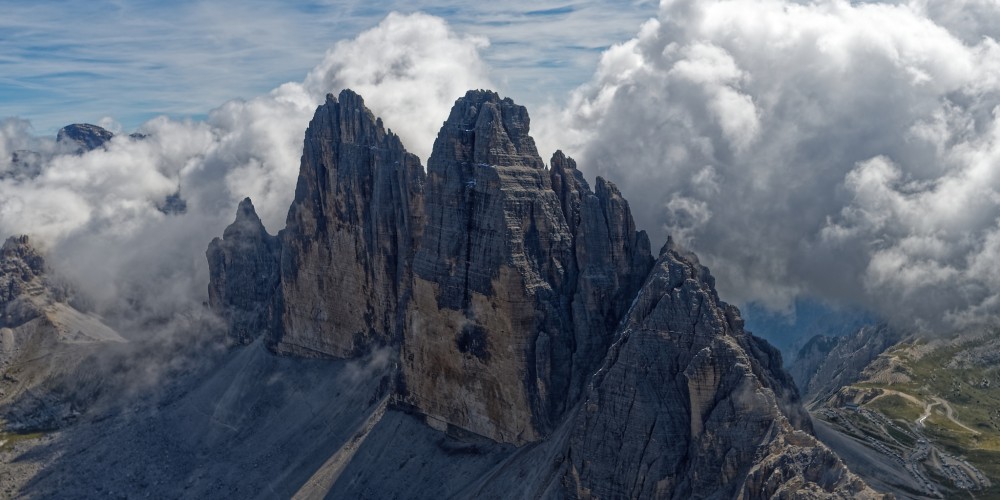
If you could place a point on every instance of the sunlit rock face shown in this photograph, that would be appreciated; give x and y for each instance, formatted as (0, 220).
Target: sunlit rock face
(519, 280)
(349, 240)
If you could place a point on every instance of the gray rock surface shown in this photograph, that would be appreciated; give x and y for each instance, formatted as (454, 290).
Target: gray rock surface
(541, 352)
(42, 336)
(687, 405)
(517, 285)
(22, 271)
(824, 365)
(349, 240)
(243, 270)
(249, 425)
(80, 138)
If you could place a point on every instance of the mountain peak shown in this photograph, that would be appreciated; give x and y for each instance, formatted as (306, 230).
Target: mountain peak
(484, 129)
(523, 307)
(247, 222)
(83, 137)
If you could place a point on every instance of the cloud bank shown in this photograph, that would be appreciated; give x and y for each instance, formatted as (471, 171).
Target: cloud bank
(838, 151)
(841, 150)
(98, 213)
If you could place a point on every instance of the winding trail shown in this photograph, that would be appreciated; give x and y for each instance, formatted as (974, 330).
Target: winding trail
(951, 415)
(927, 413)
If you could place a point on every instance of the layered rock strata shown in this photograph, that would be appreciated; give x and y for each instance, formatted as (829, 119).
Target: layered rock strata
(524, 307)
(518, 284)
(350, 235)
(688, 403)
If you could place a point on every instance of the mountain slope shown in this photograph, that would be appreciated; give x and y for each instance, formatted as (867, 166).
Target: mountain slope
(918, 414)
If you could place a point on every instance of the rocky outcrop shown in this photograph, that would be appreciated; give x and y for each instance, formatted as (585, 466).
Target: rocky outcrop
(39, 324)
(517, 285)
(80, 138)
(610, 262)
(688, 405)
(350, 235)
(243, 266)
(335, 281)
(22, 274)
(524, 307)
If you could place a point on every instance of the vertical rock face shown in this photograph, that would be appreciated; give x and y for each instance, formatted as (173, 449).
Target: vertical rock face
(243, 270)
(514, 292)
(500, 336)
(611, 260)
(349, 240)
(688, 405)
(22, 270)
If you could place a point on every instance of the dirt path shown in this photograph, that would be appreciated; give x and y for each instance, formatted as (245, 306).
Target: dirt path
(951, 415)
(927, 413)
(329, 472)
(909, 397)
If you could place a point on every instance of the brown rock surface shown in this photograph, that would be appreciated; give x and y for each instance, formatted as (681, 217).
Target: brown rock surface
(514, 304)
(346, 250)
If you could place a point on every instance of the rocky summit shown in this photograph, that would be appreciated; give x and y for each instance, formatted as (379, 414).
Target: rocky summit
(80, 138)
(539, 349)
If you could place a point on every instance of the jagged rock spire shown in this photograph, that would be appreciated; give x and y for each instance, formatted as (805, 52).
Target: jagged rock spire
(243, 270)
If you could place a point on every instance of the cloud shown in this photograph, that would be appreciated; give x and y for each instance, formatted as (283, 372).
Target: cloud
(409, 68)
(136, 59)
(840, 150)
(98, 213)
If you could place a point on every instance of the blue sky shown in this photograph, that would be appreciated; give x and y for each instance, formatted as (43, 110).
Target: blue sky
(130, 60)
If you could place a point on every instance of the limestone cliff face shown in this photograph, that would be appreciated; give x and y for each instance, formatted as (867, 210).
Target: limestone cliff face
(501, 335)
(611, 261)
(243, 266)
(22, 275)
(688, 405)
(349, 240)
(524, 307)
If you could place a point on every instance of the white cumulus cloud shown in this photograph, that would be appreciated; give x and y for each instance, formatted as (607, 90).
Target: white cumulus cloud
(841, 150)
(98, 214)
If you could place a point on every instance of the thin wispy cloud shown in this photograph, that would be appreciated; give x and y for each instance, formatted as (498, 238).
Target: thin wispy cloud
(66, 62)
(97, 213)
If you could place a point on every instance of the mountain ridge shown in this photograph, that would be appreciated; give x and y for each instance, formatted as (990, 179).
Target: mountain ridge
(510, 285)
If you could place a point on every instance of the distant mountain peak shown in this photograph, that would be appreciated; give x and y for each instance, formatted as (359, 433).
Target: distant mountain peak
(80, 138)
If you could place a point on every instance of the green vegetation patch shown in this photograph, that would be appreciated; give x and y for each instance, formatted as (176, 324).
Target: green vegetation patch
(10, 439)
(896, 407)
